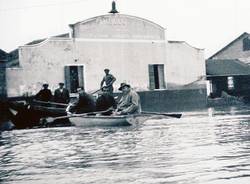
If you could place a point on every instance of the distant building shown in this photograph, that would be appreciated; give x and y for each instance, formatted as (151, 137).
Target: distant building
(229, 70)
(134, 49)
(3, 61)
(237, 49)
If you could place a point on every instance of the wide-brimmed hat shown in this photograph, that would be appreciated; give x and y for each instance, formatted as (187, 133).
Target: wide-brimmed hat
(45, 84)
(106, 69)
(61, 83)
(123, 85)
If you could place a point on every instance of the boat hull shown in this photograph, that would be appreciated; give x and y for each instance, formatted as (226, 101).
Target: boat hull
(84, 121)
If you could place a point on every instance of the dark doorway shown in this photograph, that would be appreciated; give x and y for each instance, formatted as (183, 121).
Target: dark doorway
(74, 83)
(156, 76)
(74, 77)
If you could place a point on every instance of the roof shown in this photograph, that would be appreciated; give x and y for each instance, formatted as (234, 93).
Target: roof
(245, 34)
(120, 15)
(183, 42)
(3, 55)
(35, 42)
(65, 35)
(226, 67)
(13, 55)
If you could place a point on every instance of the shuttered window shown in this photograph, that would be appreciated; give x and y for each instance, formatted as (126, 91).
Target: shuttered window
(246, 44)
(156, 76)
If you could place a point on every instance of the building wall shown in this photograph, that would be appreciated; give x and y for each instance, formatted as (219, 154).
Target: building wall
(185, 64)
(125, 44)
(118, 26)
(234, 51)
(128, 62)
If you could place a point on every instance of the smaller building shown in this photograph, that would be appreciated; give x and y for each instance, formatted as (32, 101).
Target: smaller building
(3, 61)
(239, 49)
(229, 69)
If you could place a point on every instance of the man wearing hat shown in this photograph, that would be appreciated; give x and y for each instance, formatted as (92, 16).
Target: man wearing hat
(108, 79)
(61, 95)
(129, 102)
(44, 94)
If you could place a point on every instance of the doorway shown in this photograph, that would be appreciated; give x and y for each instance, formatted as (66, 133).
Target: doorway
(74, 77)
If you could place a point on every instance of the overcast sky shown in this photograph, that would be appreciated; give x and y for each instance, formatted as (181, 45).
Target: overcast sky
(208, 24)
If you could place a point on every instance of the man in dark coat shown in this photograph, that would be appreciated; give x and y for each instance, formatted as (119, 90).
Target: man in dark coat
(85, 103)
(105, 101)
(61, 95)
(44, 94)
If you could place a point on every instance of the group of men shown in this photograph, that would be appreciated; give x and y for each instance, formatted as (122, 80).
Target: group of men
(61, 95)
(129, 102)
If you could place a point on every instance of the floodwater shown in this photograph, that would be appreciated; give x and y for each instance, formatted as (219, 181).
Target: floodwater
(206, 147)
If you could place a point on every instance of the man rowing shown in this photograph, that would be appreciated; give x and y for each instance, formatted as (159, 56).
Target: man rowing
(105, 101)
(85, 103)
(129, 102)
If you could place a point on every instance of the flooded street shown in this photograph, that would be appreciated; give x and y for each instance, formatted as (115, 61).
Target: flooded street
(204, 147)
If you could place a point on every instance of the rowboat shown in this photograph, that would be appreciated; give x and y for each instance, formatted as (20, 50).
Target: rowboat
(97, 119)
(100, 120)
(28, 114)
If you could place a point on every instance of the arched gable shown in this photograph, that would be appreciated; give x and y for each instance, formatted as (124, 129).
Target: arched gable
(118, 26)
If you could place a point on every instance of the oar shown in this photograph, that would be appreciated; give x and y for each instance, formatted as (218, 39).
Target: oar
(51, 119)
(52, 103)
(96, 91)
(164, 114)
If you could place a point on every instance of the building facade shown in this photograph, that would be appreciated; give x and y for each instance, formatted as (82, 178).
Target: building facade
(239, 49)
(228, 69)
(134, 49)
(3, 61)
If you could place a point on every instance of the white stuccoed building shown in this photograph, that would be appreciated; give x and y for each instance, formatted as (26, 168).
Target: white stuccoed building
(134, 49)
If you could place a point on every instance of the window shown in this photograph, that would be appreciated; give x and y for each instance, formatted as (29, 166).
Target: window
(156, 76)
(246, 44)
(230, 83)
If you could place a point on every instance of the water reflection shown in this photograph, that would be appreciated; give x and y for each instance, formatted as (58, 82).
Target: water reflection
(211, 146)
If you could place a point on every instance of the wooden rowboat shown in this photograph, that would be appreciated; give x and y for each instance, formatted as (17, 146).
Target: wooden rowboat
(97, 119)
(28, 115)
(100, 120)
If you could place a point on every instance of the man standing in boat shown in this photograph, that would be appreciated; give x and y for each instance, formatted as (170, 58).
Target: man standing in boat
(108, 79)
(129, 102)
(44, 94)
(61, 94)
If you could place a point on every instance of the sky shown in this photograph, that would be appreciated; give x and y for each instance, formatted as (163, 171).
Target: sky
(206, 24)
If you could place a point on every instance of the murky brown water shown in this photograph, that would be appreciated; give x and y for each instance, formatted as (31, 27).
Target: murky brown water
(207, 147)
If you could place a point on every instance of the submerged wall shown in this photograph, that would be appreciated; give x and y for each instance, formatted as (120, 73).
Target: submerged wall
(174, 100)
